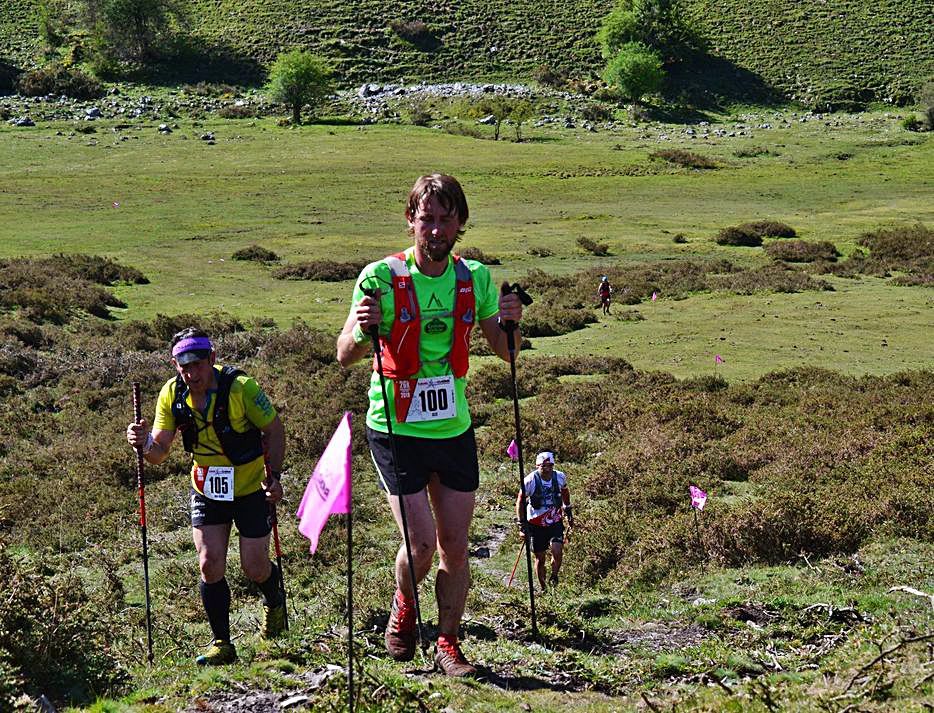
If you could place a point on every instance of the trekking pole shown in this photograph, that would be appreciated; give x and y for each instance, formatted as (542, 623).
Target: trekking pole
(373, 331)
(510, 328)
(141, 489)
(518, 555)
(274, 522)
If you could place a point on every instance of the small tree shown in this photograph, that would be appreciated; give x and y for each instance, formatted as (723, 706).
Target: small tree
(635, 72)
(521, 112)
(498, 107)
(298, 78)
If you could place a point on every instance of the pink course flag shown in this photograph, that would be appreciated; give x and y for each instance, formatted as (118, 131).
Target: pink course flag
(328, 490)
(513, 450)
(654, 296)
(718, 359)
(698, 497)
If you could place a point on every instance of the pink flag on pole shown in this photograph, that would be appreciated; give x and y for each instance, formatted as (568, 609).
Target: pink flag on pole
(513, 450)
(698, 497)
(328, 489)
(654, 296)
(718, 359)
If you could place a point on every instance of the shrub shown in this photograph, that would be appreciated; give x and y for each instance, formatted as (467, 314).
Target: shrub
(738, 236)
(418, 112)
(472, 253)
(598, 249)
(459, 128)
(58, 79)
(635, 71)
(753, 152)
(257, 253)
(540, 252)
(776, 277)
(770, 229)
(323, 270)
(751, 234)
(899, 246)
(233, 111)
(802, 251)
(927, 105)
(417, 33)
(680, 157)
(912, 123)
(8, 75)
(595, 111)
(679, 238)
(549, 77)
(299, 78)
(54, 638)
(55, 289)
(101, 270)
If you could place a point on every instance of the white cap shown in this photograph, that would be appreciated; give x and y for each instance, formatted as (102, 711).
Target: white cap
(545, 456)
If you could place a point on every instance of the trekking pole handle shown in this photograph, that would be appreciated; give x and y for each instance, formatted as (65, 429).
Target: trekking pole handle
(524, 297)
(373, 329)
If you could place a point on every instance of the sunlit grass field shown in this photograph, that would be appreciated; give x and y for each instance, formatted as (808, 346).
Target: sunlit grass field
(177, 208)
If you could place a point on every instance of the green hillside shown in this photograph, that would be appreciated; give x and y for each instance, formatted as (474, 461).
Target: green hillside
(835, 51)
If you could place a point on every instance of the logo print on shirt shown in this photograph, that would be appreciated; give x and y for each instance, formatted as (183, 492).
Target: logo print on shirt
(434, 302)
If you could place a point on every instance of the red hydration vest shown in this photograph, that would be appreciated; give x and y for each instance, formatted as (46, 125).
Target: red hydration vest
(400, 352)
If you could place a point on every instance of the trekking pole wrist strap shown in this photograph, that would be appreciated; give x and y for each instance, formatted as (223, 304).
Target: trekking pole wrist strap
(149, 443)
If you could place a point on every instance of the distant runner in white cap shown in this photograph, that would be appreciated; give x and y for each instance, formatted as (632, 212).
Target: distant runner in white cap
(547, 500)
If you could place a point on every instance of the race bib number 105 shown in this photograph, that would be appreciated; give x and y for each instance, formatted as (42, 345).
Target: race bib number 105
(426, 399)
(215, 482)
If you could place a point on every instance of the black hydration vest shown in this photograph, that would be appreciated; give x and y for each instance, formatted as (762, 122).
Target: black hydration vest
(239, 447)
(537, 497)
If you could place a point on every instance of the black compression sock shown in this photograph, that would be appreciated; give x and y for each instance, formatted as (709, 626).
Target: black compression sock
(272, 595)
(216, 600)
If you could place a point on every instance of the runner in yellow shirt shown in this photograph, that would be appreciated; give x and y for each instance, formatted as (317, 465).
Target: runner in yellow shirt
(225, 419)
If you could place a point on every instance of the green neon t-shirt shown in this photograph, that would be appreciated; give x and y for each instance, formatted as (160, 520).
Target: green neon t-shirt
(435, 297)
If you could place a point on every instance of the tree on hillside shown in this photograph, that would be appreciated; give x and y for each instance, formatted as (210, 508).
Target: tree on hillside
(634, 72)
(298, 78)
(658, 24)
(131, 29)
(494, 109)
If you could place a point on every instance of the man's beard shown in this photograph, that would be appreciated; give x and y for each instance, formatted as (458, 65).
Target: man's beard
(438, 251)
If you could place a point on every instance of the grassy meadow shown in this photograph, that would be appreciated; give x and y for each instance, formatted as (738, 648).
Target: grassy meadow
(813, 437)
(183, 207)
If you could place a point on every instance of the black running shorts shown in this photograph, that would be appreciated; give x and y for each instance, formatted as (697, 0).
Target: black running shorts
(249, 512)
(453, 459)
(542, 537)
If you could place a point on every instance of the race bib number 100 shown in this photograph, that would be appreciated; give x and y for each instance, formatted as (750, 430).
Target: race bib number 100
(215, 482)
(426, 399)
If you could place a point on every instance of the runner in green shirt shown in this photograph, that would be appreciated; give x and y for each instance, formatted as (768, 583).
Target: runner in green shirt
(424, 302)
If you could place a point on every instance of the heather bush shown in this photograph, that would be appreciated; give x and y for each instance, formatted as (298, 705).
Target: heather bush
(908, 249)
(738, 236)
(54, 637)
(323, 270)
(474, 253)
(54, 289)
(687, 159)
(593, 247)
(769, 229)
(58, 79)
(549, 77)
(802, 251)
(256, 253)
(234, 111)
(777, 277)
